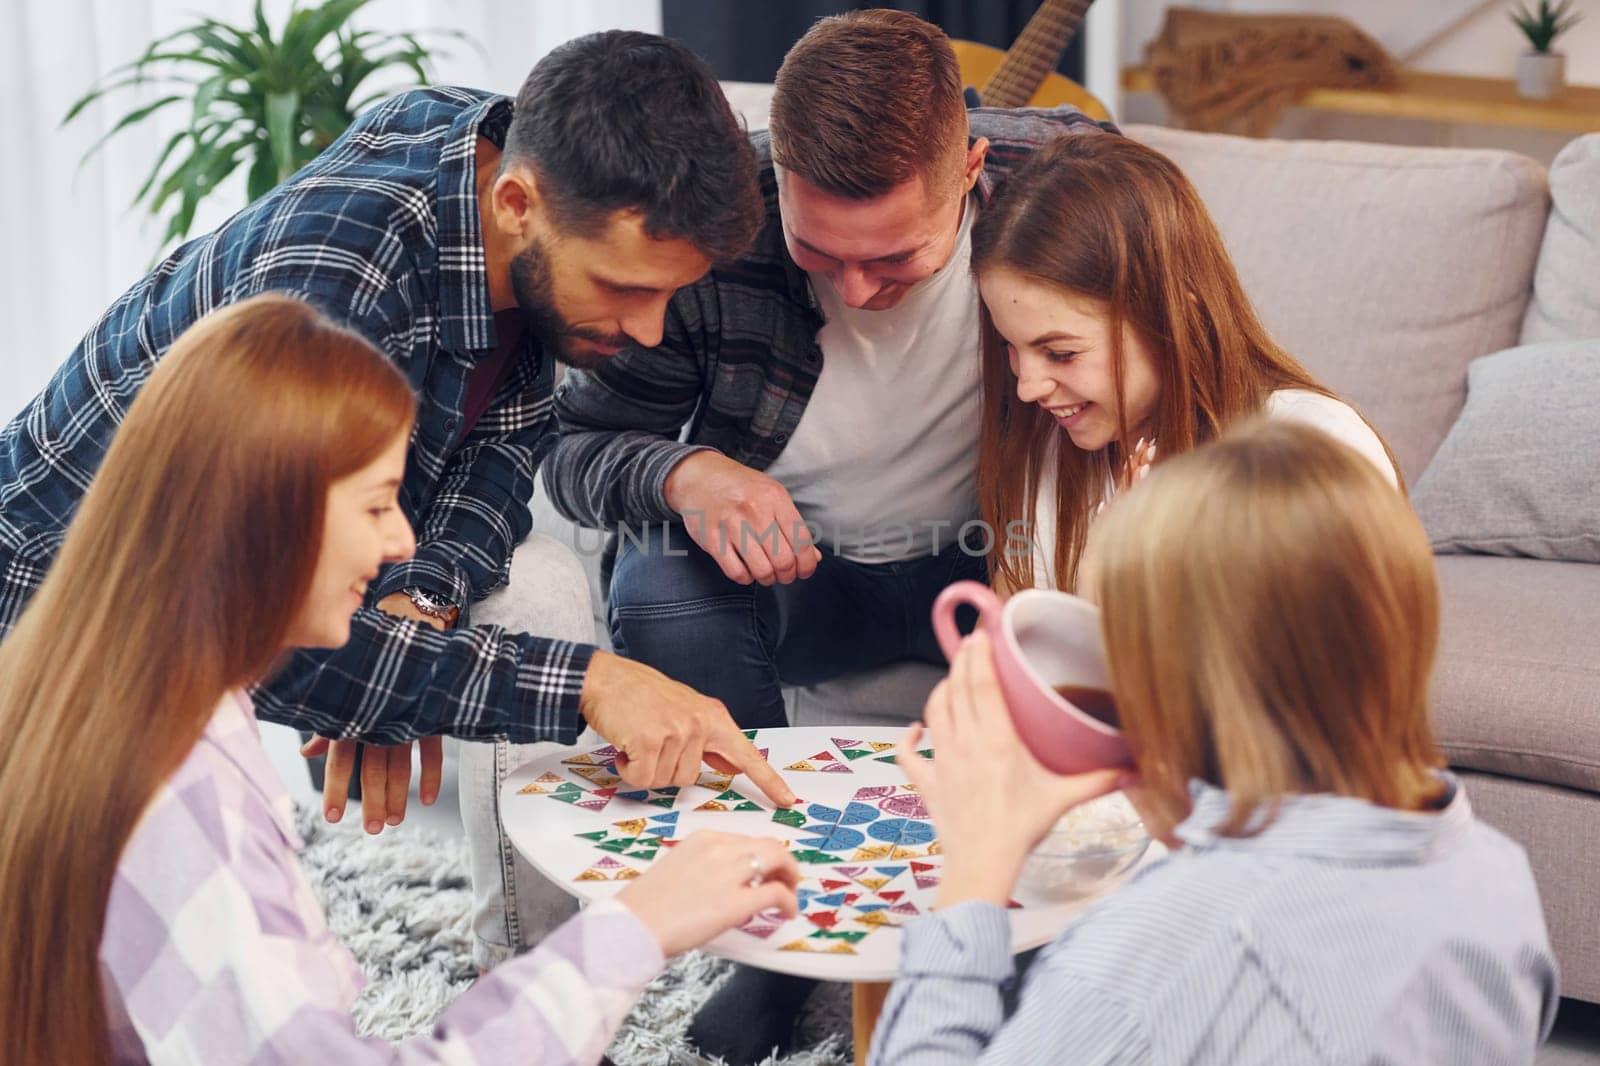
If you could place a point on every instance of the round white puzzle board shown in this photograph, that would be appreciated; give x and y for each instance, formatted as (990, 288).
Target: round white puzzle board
(868, 852)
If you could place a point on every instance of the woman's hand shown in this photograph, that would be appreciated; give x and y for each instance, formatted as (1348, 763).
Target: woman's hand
(710, 883)
(1135, 469)
(989, 796)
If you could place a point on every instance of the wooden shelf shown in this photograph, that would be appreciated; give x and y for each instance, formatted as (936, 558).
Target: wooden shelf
(1444, 98)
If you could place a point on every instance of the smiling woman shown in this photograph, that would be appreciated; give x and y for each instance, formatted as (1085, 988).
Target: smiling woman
(194, 561)
(1114, 324)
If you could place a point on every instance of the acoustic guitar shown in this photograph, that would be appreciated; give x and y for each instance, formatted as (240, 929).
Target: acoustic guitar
(1024, 75)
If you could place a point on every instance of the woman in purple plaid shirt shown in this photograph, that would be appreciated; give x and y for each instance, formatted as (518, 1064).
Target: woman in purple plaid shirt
(151, 905)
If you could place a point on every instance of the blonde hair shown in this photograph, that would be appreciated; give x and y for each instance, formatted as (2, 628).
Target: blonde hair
(1270, 616)
(179, 579)
(1115, 221)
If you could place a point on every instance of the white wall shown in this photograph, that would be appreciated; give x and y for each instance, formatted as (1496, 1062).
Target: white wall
(1472, 37)
(71, 245)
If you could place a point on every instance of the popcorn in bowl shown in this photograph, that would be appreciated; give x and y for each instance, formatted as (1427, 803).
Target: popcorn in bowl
(1092, 843)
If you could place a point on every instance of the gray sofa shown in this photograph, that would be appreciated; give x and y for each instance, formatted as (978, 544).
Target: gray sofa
(1388, 270)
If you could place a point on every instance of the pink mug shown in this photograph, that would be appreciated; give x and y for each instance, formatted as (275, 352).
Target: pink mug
(1043, 640)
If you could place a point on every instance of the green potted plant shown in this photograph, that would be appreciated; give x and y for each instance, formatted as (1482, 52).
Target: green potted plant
(1540, 71)
(269, 99)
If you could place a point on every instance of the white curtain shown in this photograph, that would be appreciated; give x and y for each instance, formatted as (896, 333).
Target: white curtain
(72, 244)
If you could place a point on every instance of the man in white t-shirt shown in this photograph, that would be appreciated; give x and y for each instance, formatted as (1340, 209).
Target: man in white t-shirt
(791, 471)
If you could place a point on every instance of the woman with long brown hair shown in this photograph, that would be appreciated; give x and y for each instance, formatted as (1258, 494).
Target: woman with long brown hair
(1270, 616)
(151, 908)
(1114, 328)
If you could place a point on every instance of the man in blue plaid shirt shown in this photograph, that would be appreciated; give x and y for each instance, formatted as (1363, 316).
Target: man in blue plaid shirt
(476, 242)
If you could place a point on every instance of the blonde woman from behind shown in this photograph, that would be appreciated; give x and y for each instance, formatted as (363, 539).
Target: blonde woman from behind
(1270, 617)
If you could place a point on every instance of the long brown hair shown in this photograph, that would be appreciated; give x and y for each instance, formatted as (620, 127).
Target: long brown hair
(1114, 221)
(1270, 615)
(178, 580)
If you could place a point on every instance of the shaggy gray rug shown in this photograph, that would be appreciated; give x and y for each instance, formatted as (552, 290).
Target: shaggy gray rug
(402, 901)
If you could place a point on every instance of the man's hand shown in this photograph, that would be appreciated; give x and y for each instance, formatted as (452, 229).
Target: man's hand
(666, 730)
(743, 519)
(385, 768)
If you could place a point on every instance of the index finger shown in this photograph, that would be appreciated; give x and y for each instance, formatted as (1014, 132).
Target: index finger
(742, 755)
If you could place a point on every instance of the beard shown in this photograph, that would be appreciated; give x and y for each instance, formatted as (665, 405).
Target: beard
(535, 293)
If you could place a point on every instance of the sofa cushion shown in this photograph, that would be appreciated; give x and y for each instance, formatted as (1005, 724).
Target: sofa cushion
(1385, 270)
(1517, 686)
(1516, 475)
(1566, 300)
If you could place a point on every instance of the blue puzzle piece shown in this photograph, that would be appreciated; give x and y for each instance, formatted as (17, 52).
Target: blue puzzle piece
(641, 796)
(859, 814)
(819, 843)
(669, 818)
(890, 872)
(823, 813)
(916, 833)
(868, 908)
(842, 839)
(834, 900)
(887, 830)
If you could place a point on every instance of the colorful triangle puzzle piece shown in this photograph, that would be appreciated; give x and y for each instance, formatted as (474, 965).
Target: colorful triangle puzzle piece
(801, 765)
(793, 819)
(533, 790)
(626, 874)
(823, 756)
(597, 836)
(848, 936)
(593, 804)
(854, 753)
(824, 919)
(872, 853)
(836, 768)
(712, 805)
(811, 855)
(874, 919)
(550, 777)
(581, 760)
(638, 795)
(591, 874)
(567, 797)
(750, 734)
(840, 948)
(665, 801)
(633, 826)
(797, 945)
(747, 805)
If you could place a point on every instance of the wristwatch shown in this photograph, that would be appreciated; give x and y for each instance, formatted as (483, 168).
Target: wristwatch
(433, 605)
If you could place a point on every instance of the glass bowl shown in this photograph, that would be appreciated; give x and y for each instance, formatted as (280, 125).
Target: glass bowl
(1089, 846)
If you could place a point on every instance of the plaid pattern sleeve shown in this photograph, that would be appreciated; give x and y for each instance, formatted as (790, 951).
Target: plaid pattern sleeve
(381, 232)
(738, 362)
(215, 949)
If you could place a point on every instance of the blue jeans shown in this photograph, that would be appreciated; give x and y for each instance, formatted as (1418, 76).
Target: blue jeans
(671, 607)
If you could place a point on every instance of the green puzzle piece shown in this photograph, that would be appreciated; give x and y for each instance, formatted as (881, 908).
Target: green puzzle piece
(812, 855)
(750, 734)
(597, 836)
(619, 846)
(849, 936)
(646, 853)
(855, 753)
(665, 801)
(793, 819)
(748, 806)
(568, 797)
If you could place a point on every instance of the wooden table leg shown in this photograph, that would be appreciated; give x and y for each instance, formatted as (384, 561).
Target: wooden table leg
(866, 1003)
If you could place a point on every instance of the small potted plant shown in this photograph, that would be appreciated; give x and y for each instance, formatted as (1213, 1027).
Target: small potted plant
(1541, 72)
(265, 99)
